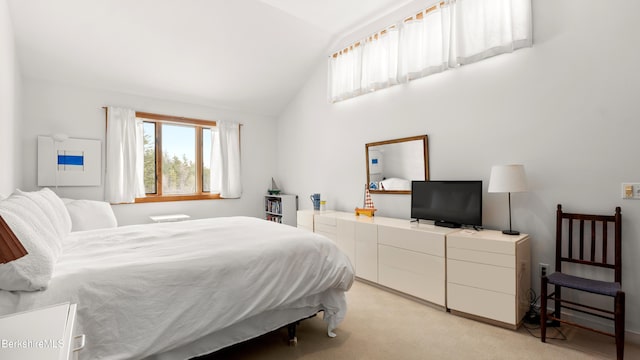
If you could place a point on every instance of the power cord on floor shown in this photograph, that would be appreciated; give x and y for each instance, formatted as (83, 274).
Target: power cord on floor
(532, 318)
(533, 315)
(531, 328)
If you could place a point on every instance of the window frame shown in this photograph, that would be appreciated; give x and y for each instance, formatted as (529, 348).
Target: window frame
(199, 125)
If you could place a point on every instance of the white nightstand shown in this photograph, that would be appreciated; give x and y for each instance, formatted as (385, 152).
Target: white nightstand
(41, 334)
(169, 218)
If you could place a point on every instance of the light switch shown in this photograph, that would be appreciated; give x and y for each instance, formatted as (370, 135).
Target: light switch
(631, 191)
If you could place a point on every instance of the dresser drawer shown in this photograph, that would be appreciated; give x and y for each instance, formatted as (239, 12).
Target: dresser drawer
(489, 277)
(481, 257)
(414, 273)
(346, 239)
(324, 228)
(325, 220)
(482, 302)
(414, 240)
(484, 241)
(366, 236)
(304, 220)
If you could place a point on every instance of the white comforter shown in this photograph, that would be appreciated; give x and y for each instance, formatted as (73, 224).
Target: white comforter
(146, 289)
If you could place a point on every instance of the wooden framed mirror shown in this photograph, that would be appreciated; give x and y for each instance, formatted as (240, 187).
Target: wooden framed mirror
(393, 164)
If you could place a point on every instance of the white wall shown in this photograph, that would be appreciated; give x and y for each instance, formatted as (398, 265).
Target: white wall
(10, 81)
(567, 109)
(56, 108)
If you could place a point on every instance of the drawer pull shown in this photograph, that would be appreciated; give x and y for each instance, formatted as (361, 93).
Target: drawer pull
(83, 339)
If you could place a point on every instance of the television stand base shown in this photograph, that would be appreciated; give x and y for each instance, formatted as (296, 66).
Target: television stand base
(447, 224)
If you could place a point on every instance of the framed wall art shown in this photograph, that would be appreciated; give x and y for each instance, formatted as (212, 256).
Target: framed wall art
(69, 162)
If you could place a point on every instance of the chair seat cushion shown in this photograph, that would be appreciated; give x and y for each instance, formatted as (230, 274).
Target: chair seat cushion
(589, 285)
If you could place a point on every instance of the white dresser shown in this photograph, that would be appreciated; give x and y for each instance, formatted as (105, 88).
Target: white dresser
(489, 276)
(480, 274)
(398, 254)
(41, 334)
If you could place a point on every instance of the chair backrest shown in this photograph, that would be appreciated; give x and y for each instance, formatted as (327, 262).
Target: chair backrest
(573, 246)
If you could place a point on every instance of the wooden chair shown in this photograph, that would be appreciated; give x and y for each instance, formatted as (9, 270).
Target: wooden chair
(573, 247)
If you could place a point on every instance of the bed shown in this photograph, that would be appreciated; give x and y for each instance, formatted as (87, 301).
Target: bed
(183, 289)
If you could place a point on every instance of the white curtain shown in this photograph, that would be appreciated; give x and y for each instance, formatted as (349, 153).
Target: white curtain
(125, 157)
(225, 160)
(448, 35)
(425, 44)
(380, 60)
(484, 28)
(345, 71)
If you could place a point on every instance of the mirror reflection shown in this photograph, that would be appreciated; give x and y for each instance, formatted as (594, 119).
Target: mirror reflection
(393, 164)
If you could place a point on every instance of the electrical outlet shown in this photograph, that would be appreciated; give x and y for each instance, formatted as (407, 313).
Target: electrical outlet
(544, 269)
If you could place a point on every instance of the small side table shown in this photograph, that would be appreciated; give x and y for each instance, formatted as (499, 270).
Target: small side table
(40, 334)
(169, 218)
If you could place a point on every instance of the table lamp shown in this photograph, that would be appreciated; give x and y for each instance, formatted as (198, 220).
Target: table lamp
(508, 178)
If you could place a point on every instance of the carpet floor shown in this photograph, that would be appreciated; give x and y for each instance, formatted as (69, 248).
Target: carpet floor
(384, 325)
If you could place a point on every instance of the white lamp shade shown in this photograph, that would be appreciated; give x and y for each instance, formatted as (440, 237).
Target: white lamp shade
(507, 178)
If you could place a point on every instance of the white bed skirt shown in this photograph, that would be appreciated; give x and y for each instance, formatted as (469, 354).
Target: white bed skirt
(237, 333)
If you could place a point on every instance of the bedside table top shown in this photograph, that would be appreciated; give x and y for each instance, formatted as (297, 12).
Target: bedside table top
(168, 218)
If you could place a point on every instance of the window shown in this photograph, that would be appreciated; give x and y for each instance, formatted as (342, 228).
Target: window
(177, 158)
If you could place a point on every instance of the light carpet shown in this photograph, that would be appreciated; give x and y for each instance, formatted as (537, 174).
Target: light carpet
(384, 325)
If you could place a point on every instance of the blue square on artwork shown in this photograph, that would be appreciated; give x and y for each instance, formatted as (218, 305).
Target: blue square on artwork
(374, 161)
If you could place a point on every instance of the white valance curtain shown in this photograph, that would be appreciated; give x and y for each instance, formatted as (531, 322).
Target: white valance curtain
(446, 35)
(124, 156)
(380, 60)
(426, 43)
(225, 160)
(345, 73)
(484, 28)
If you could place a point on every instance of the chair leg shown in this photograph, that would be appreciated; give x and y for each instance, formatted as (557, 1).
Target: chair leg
(619, 324)
(543, 309)
(558, 305)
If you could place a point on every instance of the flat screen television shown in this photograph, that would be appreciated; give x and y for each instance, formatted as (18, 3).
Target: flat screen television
(448, 203)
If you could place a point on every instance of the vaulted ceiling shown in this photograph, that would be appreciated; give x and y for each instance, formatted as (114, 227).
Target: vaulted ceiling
(249, 55)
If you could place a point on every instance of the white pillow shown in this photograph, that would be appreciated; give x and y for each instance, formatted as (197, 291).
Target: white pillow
(32, 213)
(32, 271)
(395, 184)
(54, 208)
(90, 215)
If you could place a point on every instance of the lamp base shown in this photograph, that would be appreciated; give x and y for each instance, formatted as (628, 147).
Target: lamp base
(511, 232)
